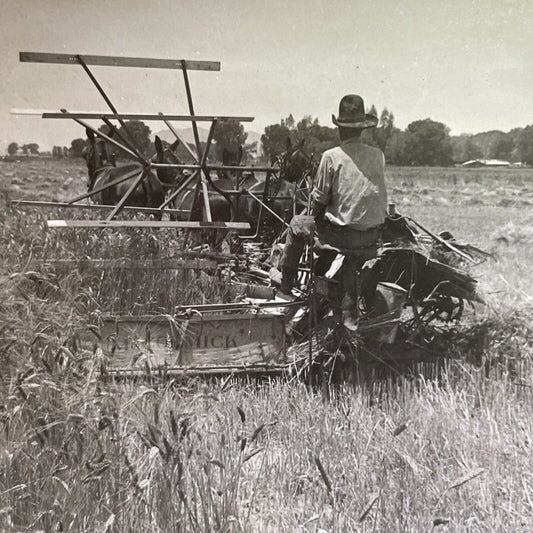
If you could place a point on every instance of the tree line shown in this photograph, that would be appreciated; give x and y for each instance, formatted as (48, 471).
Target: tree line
(423, 143)
(27, 149)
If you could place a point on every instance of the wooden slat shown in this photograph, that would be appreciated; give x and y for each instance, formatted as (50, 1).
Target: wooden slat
(97, 207)
(256, 370)
(115, 224)
(204, 308)
(141, 116)
(144, 264)
(244, 167)
(117, 61)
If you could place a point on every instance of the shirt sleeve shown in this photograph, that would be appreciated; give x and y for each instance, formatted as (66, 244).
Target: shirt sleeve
(322, 190)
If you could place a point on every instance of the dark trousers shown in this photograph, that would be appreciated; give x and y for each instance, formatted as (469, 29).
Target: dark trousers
(357, 246)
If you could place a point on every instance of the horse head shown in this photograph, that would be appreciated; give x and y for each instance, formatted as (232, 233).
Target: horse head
(166, 155)
(228, 178)
(96, 156)
(294, 162)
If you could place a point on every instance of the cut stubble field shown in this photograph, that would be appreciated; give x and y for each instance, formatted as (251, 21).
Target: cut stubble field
(451, 453)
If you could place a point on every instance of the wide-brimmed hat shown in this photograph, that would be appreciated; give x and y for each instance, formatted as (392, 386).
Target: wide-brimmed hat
(352, 114)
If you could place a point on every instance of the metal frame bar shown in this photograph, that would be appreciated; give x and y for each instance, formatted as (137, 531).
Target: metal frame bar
(129, 192)
(201, 185)
(132, 144)
(260, 202)
(182, 187)
(196, 166)
(175, 133)
(117, 133)
(109, 139)
(204, 171)
(442, 241)
(128, 176)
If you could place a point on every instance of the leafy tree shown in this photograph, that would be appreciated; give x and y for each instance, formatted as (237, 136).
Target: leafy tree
(524, 148)
(472, 150)
(373, 110)
(289, 122)
(502, 148)
(250, 151)
(319, 138)
(382, 134)
(136, 129)
(305, 125)
(428, 143)
(76, 147)
(386, 128)
(395, 150)
(458, 143)
(12, 148)
(140, 133)
(274, 140)
(229, 134)
(514, 134)
(32, 148)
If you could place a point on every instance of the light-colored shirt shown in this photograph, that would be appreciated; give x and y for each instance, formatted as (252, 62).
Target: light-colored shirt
(350, 182)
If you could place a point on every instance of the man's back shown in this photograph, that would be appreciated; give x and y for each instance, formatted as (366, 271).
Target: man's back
(351, 184)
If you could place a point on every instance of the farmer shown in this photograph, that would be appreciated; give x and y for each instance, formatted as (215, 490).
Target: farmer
(349, 202)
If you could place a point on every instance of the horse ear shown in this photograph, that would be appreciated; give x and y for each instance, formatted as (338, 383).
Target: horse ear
(90, 135)
(174, 145)
(159, 147)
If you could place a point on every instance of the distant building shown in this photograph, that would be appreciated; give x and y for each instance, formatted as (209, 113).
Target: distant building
(477, 163)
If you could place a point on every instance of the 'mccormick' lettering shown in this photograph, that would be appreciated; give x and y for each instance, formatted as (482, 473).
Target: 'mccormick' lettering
(216, 341)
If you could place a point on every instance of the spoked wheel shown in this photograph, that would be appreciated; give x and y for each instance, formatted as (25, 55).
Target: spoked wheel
(439, 308)
(304, 186)
(429, 315)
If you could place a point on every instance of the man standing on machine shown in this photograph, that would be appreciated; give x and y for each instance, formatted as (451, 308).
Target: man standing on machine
(349, 201)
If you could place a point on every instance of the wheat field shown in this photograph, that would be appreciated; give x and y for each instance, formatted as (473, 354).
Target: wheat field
(402, 453)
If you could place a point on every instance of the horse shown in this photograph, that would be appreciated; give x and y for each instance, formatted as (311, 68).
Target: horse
(286, 193)
(224, 181)
(102, 170)
(293, 165)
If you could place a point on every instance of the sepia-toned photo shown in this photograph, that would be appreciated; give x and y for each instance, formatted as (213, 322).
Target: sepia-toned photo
(266, 266)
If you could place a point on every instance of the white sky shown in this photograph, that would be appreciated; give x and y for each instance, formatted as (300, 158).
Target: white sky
(467, 63)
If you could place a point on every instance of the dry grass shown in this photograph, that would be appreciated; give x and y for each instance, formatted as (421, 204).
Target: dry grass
(450, 454)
